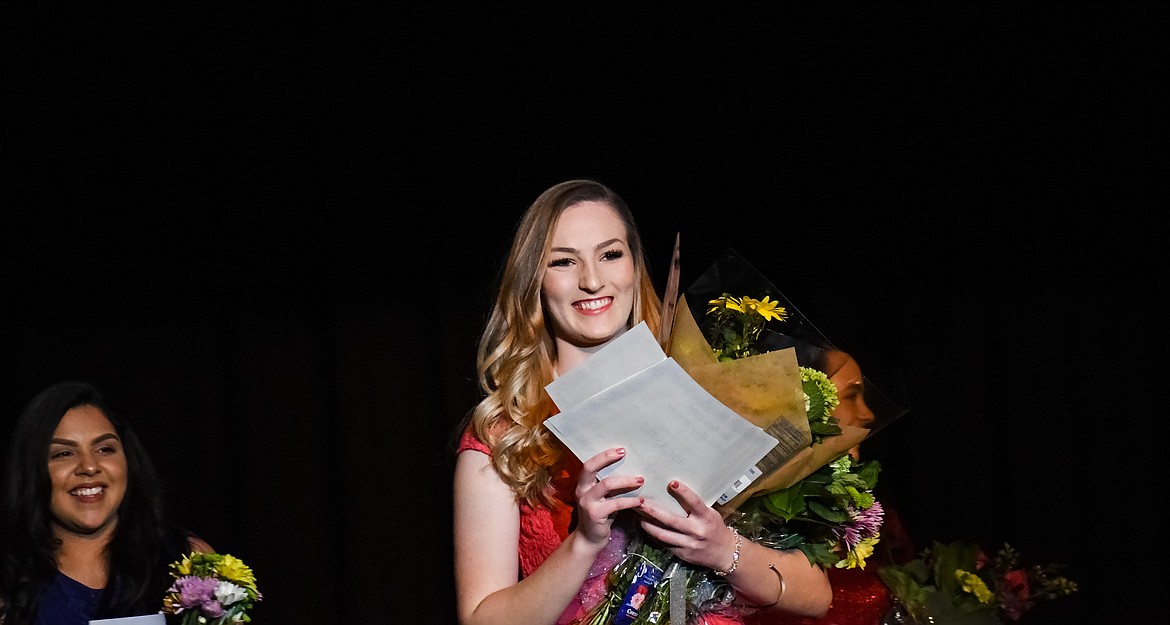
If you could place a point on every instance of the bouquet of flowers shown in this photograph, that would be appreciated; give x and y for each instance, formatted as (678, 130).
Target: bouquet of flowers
(830, 515)
(811, 495)
(957, 583)
(211, 589)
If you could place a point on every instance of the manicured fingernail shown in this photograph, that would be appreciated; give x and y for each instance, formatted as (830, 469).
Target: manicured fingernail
(641, 479)
(641, 500)
(674, 484)
(621, 451)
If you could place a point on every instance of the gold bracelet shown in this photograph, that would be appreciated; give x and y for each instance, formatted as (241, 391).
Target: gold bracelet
(734, 554)
(783, 586)
(779, 595)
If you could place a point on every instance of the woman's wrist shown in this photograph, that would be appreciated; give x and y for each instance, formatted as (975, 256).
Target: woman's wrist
(734, 555)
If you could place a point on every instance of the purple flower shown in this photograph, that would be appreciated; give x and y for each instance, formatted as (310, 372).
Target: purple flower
(212, 608)
(197, 592)
(864, 523)
(194, 591)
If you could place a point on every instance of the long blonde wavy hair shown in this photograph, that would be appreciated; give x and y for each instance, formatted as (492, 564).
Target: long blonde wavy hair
(516, 352)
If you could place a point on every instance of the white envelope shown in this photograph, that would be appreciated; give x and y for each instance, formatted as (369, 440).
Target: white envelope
(146, 619)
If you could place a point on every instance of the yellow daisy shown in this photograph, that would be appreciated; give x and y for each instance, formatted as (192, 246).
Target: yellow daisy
(767, 308)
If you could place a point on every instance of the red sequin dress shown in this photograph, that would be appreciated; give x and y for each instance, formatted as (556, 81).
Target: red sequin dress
(859, 598)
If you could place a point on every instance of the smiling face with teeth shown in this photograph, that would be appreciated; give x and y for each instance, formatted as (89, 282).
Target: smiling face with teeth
(589, 278)
(88, 471)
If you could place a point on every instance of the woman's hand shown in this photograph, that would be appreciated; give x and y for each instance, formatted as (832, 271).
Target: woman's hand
(596, 505)
(701, 537)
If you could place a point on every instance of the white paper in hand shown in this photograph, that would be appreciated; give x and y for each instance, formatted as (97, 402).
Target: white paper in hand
(146, 619)
(631, 395)
(621, 359)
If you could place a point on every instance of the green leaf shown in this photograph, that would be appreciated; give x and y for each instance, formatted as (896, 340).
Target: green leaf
(819, 554)
(789, 541)
(906, 586)
(949, 558)
(824, 428)
(868, 473)
(786, 503)
(832, 515)
(816, 401)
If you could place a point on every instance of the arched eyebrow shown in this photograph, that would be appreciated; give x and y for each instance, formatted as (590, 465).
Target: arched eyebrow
(71, 443)
(573, 250)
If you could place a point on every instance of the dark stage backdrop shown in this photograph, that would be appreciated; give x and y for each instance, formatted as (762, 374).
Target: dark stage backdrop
(271, 235)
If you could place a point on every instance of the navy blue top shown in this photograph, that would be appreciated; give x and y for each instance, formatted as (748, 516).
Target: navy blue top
(67, 602)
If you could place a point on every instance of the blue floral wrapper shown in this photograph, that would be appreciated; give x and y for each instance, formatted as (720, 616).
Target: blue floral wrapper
(641, 589)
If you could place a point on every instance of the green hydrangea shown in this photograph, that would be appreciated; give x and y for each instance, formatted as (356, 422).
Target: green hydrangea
(820, 399)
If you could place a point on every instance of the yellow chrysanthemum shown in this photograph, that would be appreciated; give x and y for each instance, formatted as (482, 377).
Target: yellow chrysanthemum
(235, 570)
(767, 308)
(857, 556)
(973, 584)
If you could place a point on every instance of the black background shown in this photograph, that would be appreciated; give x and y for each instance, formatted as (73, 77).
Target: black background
(270, 233)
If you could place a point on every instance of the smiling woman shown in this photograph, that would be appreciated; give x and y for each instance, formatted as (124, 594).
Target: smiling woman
(87, 471)
(536, 529)
(85, 533)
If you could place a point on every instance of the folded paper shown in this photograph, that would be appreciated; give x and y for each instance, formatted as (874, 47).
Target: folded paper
(630, 394)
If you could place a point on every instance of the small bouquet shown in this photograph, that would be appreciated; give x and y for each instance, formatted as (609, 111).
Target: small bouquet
(957, 583)
(211, 589)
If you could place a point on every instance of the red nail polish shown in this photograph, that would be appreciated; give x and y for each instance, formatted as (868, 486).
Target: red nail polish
(621, 451)
(674, 484)
(641, 479)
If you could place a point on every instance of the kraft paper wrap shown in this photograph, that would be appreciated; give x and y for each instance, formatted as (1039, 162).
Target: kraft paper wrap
(798, 467)
(759, 388)
(764, 389)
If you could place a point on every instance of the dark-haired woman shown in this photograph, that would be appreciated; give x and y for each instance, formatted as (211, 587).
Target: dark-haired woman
(84, 532)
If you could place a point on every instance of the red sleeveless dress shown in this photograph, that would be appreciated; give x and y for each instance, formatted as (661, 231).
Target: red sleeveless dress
(542, 528)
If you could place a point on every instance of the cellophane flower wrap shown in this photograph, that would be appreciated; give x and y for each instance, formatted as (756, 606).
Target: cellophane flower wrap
(211, 589)
(957, 583)
(757, 355)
